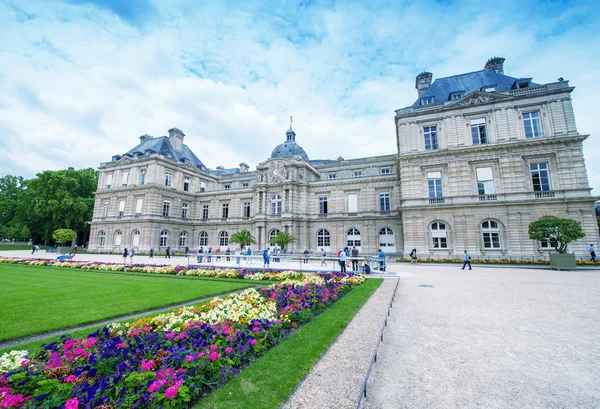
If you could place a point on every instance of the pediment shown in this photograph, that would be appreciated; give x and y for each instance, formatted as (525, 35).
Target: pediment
(125, 160)
(477, 98)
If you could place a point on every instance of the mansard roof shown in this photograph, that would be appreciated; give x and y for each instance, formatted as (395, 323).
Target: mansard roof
(441, 88)
(161, 145)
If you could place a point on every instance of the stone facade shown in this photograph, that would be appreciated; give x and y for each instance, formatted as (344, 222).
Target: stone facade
(480, 156)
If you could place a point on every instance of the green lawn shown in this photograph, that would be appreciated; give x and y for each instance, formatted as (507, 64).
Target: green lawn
(37, 299)
(269, 382)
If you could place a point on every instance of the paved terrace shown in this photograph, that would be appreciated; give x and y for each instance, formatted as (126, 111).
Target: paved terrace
(497, 337)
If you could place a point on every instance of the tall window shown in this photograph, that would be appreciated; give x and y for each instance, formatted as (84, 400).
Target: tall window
(485, 181)
(387, 239)
(204, 212)
(121, 208)
(203, 239)
(439, 235)
(532, 124)
(183, 239)
(272, 234)
(168, 178)
(138, 206)
(125, 178)
(142, 176)
(540, 176)
(353, 237)
(108, 181)
(246, 210)
(323, 238)
(105, 209)
(136, 238)
(225, 214)
(384, 202)
(434, 184)
(223, 238)
(202, 186)
(491, 234)
(164, 238)
(118, 238)
(478, 131)
(186, 183)
(323, 205)
(276, 204)
(352, 203)
(166, 208)
(101, 238)
(184, 211)
(431, 139)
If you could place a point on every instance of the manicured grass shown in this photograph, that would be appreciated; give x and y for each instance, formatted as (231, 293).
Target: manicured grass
(268, 382)
(37, 299)
(18, 247)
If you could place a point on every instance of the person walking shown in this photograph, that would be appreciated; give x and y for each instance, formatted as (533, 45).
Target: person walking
(266, 258)
(381, 260)
(354, 258)
(592, 253)
(200, 254)
(413, 256)
(33, 249)
(467, 261)
(209, 257)
(125, 254)
(168, 253)
(323, 255)
(218, 253)
(343, 258)
(152, 252)
(249, 256)
(187, 250)
(228, 253)
(131, 253)
(305, 256)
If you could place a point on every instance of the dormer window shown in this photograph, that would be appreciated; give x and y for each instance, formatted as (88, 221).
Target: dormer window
(523, 84)
(227, 187)
(427, 100)
(455, 96)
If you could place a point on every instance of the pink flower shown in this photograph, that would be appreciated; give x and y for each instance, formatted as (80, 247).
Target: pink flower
(72, 404)
(68, 344)
(147, 365)
(25, 362)
(283, 311)
(255, 329)
(154, 386)
(189, 358)
(226, 331)
(180, 371)
(89, 342)
(147, 329)
(12, 401)
(253, 342)
(170, 335)
(121, 345)
(228, 350)
(71, 379)
(213, 347)
(200, 355)
(213, 356)
(5, 390)
(171, 392)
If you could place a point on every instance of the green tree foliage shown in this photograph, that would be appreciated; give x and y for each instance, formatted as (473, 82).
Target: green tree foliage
(243, 238)
(282, 239)
(11, 189)
(559, 232)
(62, 236)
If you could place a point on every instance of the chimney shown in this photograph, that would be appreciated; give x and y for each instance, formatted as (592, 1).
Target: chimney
(495, 64)
(423, 82)
(145, 137)
(176, 138)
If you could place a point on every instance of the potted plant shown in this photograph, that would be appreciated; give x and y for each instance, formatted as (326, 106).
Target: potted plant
(62, 236)
(243, 238)
(559, 232)
(282, 239)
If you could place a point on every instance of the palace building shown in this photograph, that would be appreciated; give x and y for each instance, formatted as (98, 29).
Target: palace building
(480, 156)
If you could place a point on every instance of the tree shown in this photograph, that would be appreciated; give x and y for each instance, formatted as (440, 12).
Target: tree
(62, 236)
(242, 237)
(559, 232)
(282, 239)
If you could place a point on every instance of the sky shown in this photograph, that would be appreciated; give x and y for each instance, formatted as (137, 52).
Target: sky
(81, 80)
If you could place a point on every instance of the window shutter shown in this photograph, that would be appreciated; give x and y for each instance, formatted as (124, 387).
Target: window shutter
(138, 206)
(352, 203)
(122, 206)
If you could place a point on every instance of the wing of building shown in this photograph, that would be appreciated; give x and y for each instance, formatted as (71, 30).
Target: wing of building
(480, 156)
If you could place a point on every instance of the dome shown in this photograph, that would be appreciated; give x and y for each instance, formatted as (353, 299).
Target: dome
(289, 147)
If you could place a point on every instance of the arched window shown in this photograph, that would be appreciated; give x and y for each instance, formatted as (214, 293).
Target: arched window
(491, 234)
(439, 235)
(323, 238)
(276, 204)
(353, 237)
(101, 238)
(164, 238)
(203, 239)
(272, 235)
(387, 239)
(135, 238)
(183, 239)
(118, 237)
(223, 238)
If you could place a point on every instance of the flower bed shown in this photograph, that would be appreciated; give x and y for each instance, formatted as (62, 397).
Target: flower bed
(242, 273)
(490, 261)
(170, 360)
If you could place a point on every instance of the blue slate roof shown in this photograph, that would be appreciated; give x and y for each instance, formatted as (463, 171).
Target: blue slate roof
(162, 146)
(469, 82)
(289, 147)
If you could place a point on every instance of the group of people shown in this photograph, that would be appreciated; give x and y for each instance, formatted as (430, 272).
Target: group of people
(130, 253)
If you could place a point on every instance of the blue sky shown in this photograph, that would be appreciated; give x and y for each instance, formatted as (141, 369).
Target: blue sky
(81, 80)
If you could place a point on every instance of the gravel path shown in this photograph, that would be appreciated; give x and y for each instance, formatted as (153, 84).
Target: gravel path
(335, 381)
(490, 338)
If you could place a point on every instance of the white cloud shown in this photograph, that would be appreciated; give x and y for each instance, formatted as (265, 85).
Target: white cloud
(82, 82)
